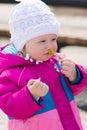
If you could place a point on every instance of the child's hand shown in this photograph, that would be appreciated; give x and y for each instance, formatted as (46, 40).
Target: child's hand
(37, 88)
(68, 69)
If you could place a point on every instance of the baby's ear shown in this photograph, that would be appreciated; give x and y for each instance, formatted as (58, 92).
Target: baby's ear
(21, 54)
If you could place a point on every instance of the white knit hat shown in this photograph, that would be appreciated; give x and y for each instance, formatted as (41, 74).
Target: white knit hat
(30, 19)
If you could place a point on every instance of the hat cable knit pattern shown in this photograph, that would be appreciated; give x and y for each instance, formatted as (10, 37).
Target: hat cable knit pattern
(30, 19)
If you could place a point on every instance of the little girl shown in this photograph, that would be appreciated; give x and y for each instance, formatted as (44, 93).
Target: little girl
(38, 85)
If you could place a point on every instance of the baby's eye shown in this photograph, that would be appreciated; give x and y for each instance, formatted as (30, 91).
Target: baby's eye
(54, 39)
(43, 41)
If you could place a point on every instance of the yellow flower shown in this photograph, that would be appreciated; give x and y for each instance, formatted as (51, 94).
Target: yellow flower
(51, 52)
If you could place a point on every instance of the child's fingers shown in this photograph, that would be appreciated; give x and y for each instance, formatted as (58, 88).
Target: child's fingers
(60, 55)
(32, 81)
(67, 62)
(37, 82)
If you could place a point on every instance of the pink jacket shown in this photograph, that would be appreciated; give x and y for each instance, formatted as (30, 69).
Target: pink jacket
(17, 102)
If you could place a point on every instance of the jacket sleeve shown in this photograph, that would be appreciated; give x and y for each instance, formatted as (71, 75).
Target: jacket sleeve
(15, 102)
(77, 88)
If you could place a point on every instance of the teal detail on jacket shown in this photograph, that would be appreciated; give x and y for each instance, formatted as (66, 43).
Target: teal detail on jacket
(48, 104)
(58, 66)
(10, 118)
(63, 82)
(66, 88)
(79, 77)
(10, 49)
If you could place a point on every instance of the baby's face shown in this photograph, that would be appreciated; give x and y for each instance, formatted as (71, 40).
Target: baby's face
(39, 48)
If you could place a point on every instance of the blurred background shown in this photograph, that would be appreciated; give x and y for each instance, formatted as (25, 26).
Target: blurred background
(57, 2)
(72, 40)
